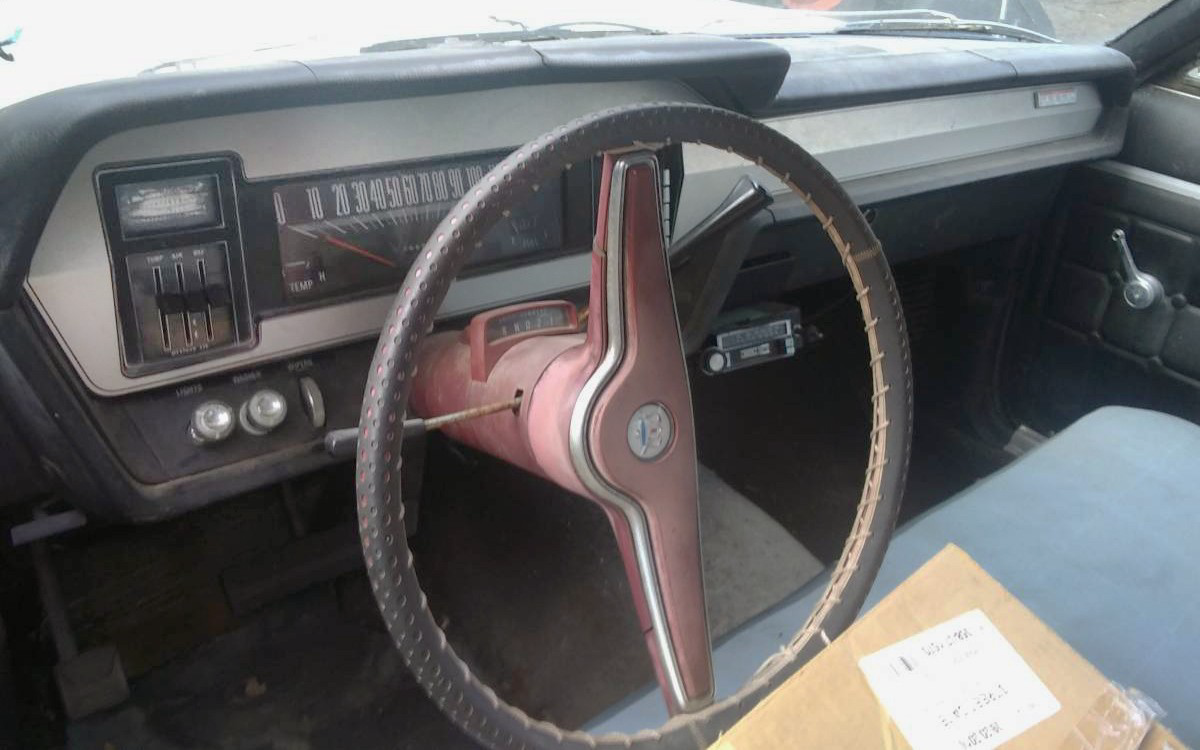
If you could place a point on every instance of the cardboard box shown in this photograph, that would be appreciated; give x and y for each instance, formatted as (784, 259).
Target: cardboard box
(932, 665)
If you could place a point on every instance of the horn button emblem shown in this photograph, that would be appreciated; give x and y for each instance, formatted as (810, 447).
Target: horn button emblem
(650, 431)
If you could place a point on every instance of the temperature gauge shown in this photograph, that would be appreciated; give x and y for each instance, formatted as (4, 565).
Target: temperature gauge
(304, 275)
(494, 332)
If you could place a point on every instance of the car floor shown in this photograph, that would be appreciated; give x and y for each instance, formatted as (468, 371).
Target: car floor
(558, 638)
(525, 579)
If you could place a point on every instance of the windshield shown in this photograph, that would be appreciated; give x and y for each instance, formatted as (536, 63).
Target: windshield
(46, 45)
(1081, 21)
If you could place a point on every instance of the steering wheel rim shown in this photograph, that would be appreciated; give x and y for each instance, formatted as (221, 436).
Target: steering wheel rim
(447, 679)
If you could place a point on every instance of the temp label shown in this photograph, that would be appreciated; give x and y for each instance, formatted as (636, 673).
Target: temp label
(959, 685)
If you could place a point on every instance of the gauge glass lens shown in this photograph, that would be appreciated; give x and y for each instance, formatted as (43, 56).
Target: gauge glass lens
(168, 205)
(356, 233)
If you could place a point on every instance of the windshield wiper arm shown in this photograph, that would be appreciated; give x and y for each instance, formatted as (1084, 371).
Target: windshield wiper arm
(8, 41)
(942, 23)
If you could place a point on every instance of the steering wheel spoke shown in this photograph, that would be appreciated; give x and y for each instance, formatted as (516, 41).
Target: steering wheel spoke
(632, 433)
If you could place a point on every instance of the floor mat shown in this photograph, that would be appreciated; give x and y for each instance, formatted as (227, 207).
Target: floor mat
(750, 561)
(793, 437)
(308, 674)
(527, 582)
(530, 587)
(300, 676)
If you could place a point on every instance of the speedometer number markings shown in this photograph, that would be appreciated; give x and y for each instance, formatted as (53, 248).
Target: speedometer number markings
(315, 209)
(361, 232)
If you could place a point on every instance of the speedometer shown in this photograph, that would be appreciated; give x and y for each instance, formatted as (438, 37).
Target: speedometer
(360, 232)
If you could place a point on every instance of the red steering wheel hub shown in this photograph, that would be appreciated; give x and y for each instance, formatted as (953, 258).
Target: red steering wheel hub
(606, 414)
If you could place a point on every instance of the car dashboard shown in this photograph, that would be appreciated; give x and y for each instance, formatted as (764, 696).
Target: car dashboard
(198, 237)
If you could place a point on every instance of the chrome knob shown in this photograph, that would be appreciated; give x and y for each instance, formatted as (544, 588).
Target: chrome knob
(211, 422)
(263, 412)
(313, 401)
(1142, 291)
(714, 361)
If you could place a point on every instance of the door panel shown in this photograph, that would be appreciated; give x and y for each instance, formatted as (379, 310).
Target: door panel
(1077, 344)
(1162, 126)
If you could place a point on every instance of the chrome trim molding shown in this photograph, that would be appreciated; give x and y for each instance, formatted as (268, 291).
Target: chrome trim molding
(581, 419)
(1149, 178)
(1177, 92)
(883, 151)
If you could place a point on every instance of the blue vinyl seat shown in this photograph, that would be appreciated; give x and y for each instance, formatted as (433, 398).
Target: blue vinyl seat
(1097, 531)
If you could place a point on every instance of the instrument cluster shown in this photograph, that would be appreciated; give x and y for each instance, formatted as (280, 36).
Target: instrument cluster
(199, 253)
(357, 232)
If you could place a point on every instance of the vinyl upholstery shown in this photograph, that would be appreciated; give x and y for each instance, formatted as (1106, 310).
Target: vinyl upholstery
(1095, 531)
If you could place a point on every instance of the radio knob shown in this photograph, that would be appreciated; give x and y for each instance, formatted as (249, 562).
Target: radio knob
(211, 422)
(714, 361)
(263, 412)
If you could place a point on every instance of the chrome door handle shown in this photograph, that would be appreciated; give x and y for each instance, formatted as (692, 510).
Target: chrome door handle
(1141, 290)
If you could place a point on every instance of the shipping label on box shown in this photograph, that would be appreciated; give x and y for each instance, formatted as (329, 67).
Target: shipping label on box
(959, 685)
(949, 659)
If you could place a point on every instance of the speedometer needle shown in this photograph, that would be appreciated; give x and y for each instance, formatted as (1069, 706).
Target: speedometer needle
(356, 249)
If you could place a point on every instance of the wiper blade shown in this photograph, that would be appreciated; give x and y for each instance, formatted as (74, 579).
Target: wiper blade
(8, 41)
(942, 23)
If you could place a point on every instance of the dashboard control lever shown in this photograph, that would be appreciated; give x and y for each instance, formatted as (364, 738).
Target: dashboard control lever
(1141, 290)
(342, 443)
(706, 261)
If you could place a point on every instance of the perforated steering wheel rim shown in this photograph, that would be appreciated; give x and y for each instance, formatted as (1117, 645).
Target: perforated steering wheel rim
(446, 678)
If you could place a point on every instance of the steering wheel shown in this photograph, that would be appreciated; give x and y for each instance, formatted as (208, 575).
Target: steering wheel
(608, 415)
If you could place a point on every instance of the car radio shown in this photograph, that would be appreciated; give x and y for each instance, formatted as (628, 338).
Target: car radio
(752, 336)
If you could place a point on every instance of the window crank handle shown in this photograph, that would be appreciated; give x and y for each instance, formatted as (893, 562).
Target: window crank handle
(1140, 290)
